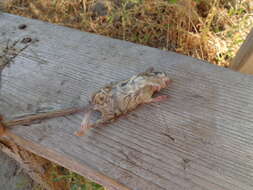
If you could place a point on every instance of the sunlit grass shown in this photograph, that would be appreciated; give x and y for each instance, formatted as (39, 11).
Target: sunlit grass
(72, 180)
(211, 30)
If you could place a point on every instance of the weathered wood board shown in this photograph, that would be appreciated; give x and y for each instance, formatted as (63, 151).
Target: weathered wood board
(243, 60)
(200, 139)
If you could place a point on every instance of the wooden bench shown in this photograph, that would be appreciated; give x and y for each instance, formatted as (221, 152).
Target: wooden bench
(243, 60)
(200, 139)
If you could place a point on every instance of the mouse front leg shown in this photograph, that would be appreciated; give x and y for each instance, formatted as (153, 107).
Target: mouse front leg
(156, 87)
(158, 99)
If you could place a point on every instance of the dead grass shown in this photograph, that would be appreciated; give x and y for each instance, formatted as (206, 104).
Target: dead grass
(211, 30)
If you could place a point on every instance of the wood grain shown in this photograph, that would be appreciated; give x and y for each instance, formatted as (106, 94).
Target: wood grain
(243, 60)
(200, 139)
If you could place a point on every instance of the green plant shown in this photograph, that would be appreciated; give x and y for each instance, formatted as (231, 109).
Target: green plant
(172, 1)
(73, 180)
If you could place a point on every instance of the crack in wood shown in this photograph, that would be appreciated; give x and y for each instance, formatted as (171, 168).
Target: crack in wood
(10, 52)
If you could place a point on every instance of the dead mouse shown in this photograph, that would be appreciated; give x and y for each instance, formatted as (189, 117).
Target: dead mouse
(119, 98)
(111, 101)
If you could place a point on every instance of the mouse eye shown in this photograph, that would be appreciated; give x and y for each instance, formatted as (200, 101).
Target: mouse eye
(107, 89)
(123, 84)
(160, 74)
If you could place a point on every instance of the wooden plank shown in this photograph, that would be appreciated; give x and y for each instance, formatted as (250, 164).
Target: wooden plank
(243, 60)
(200, 139)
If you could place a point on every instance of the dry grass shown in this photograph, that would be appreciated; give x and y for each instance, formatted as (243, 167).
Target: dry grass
(71, 180)
(211, 30)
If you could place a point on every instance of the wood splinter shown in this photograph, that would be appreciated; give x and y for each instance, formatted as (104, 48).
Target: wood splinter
(28, 120)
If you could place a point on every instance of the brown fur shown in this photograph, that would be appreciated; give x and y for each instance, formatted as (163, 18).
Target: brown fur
(121, 97)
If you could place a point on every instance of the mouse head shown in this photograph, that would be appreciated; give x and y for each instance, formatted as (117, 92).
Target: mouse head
(161, 78)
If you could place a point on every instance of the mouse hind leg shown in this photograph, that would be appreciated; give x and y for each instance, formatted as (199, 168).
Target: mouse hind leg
(85, 124)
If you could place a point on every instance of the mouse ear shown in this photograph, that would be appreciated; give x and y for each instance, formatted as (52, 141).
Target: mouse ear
(147, 71)
(150, 69)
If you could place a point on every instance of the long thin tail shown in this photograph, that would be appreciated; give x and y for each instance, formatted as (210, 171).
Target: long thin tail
(42, 116)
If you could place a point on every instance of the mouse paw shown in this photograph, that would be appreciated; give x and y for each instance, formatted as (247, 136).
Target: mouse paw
(159, 98)
(82, 130)
(79, 133)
